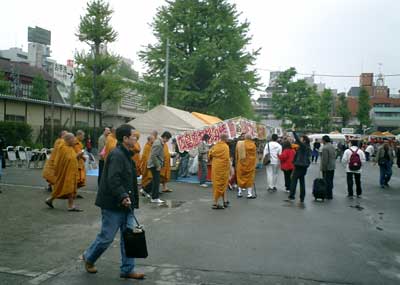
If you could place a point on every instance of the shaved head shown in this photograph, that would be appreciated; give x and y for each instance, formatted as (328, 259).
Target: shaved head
(224, 137)
(247, 137)
(69, 139)
(63, 132)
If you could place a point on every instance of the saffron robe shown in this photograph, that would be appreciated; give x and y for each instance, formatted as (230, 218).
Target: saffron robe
(66, 172)
(220, 168)
(165, 172)
(146, 173)
(246, 163)
(49, 167)
(81, 164)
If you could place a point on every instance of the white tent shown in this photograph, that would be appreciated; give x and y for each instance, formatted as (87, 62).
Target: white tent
(163, 118)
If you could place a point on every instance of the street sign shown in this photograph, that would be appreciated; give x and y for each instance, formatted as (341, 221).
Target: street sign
(39, 35)
(63, 73)
(347, 131)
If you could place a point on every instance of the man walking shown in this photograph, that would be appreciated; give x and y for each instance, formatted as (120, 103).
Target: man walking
(203, 155)
(155, 163)
(385, 158)
(274, 149)
(353, 158)
(117, 192)
(315, 151)
(328, 164)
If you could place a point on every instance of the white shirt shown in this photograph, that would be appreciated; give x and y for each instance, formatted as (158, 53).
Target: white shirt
(370, 149)
(275, 149)
(347, 155)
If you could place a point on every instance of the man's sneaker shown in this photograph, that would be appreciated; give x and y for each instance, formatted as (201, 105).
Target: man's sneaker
(159, 201)
(144, 194)
(240, 195)
(204, 185)
(274, 189)
(133, 275)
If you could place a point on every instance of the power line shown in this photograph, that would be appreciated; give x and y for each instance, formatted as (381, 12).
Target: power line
(332, 75)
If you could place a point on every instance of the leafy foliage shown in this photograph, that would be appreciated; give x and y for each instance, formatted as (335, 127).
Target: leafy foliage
(5, 85)
(210, 68)
(363, 108)
(343, 110)
(16, 133)
(39, 88)
(325, 110)
(95, 74)
(296, 101)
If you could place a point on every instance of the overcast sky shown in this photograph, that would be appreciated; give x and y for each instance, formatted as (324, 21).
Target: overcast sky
(324, 36)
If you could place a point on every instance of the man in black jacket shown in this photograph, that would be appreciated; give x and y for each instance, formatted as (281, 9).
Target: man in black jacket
(117, 192)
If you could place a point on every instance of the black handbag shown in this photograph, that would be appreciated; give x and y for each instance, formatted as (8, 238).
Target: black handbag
(267, 157)
(135, 241)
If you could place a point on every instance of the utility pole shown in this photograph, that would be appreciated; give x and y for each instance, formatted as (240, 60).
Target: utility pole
(52, 108)
(166, 74)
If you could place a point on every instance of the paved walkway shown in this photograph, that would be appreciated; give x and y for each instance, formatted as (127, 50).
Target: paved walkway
(261, 241)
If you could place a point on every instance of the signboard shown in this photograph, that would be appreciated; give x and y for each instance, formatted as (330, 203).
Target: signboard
(347, 131)
(63, 73)
(234, 128)
(39, 35)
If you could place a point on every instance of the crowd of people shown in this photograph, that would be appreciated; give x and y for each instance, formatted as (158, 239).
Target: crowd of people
(233, 166)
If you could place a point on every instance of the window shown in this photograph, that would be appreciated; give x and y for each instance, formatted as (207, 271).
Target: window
(15, 118)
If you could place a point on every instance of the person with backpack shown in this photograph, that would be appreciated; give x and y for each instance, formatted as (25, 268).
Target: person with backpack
(353, 158)
(301, 163)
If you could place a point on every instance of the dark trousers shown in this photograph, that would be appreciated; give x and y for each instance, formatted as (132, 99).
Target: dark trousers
(183, 166)
(288, 178)
(328, 177)
(367, 156)
(357, 178)
(155, 191)
(101, 166)
(314, 156)
(385, 172)
(298, 174)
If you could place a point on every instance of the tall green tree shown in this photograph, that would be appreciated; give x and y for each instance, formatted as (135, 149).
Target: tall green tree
(343, 110)
(39, 88)
(296, 101)
(5, 85)
(210, 67)
(96, 76)
(363, 108)
(325, 110)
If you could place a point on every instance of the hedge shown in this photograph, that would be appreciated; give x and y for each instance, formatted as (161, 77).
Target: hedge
(16, 133)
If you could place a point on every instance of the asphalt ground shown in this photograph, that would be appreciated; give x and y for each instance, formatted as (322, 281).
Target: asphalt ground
(260, 241)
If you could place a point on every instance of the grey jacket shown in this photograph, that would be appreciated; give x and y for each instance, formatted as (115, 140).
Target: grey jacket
(203, 151)
(156, 158)
(381, 153)
(328, 157)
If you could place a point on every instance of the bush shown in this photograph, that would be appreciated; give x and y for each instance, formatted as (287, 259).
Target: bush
(16, 133)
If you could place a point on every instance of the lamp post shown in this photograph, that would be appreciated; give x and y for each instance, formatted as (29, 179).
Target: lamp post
(166, 74)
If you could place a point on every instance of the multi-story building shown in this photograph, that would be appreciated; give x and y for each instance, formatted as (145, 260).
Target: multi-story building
(385, 109)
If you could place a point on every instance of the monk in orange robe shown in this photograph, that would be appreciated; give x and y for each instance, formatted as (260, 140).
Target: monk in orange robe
(111, 143)
(49, 167)
(221, 165)
(80, 136)
(147, 177)
(165, 172)
(66, 172)
(246, 160)
(136, 154)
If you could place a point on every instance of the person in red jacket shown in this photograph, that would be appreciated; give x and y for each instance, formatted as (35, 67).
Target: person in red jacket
(287, 166)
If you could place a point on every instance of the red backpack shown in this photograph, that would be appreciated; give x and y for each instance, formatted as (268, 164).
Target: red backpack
(355, 161)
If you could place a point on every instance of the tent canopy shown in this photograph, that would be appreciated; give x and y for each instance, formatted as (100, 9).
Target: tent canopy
(163, 118)
(209, 120)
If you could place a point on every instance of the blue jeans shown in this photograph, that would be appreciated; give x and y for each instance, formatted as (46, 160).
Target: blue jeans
(111, 221)
(386, 172)
(203, 169)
